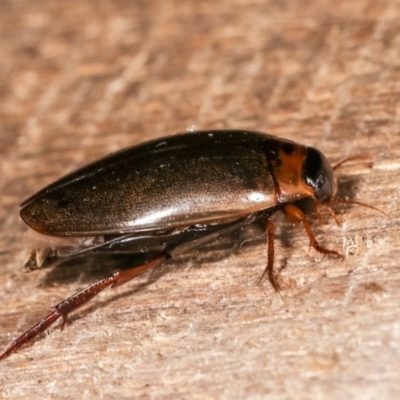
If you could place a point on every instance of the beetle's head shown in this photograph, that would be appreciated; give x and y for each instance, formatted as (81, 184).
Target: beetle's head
(318, 174)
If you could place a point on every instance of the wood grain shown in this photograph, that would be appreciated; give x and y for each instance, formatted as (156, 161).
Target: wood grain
(81, 79)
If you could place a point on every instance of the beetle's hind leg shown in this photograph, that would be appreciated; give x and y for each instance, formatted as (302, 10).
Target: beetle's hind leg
(77, 300)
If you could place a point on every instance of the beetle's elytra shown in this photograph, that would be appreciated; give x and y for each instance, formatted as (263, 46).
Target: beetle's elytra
(167, 194)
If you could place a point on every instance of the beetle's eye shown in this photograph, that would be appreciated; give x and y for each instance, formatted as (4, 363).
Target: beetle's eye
(321, 181)
(323, 188)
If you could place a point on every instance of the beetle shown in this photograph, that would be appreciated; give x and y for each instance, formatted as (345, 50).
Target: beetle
(163, 196)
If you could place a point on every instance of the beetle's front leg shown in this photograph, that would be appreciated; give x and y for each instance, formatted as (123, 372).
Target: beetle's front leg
(294, 214)
(77, 300)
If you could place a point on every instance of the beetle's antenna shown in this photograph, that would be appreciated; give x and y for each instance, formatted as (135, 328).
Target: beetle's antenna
(358, 157)
(346, 201)
(335, 199)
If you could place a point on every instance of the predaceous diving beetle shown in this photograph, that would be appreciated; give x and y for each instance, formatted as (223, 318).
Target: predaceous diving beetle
(176, 191)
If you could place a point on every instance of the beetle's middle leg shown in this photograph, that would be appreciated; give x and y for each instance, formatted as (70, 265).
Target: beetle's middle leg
(269, 269)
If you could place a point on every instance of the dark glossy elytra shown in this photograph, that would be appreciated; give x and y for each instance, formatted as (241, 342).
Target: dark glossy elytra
(167, 196)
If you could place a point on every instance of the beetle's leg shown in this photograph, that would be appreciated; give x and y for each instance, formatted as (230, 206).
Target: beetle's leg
(294, 214)
(333, 215)
(78, 299)
(269, 269)
(318, 212)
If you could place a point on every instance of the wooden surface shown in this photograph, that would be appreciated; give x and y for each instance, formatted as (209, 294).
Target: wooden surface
(81, 79)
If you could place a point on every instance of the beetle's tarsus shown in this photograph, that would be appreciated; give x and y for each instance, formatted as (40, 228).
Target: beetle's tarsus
(29, 334)
(315, 244)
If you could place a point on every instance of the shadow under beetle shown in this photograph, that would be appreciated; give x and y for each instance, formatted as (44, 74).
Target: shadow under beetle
(167, 195)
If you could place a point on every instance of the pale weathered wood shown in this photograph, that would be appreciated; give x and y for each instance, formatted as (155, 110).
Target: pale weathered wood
(81, 79)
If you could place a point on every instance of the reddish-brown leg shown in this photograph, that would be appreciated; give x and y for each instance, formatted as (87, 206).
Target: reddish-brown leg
(334, 216)
(78, 299)
(294, 214)
(269, 269)
(318, 212)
